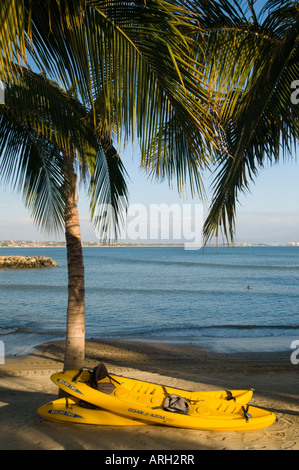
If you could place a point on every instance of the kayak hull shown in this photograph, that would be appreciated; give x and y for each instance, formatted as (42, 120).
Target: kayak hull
(143, 400)
(71, 410)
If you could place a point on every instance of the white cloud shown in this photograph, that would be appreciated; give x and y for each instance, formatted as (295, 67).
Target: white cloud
(268, 227)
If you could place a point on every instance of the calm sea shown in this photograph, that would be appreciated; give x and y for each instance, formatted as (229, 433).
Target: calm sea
(160, 293)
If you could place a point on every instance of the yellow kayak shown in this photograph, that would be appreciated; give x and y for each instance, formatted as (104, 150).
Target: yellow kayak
(146, 392)
(130, 398)
(72, 410)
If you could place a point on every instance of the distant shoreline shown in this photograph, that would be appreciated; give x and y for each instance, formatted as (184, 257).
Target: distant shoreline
(50, 244)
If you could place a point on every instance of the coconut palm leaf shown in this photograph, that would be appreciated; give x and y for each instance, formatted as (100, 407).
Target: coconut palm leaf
(259, 120)
(140, 58)
(108, 192)
(42, 128)
(33, 166)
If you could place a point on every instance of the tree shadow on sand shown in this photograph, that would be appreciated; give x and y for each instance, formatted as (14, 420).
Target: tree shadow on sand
(264, 373)
(23, 429)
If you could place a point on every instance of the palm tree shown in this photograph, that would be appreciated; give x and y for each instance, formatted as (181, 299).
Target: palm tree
(194, 81)
(47, 138)
(134, 67)
(245, 55)
(189, 79)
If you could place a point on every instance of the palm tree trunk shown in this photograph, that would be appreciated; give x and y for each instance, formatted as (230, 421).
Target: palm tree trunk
(75, 336)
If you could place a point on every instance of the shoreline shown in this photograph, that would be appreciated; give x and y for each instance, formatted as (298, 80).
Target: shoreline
(150, 245)
(25, 385)
(26, 342)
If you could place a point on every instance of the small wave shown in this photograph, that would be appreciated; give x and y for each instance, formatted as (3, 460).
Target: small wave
(184, 291)
(144, 290)
(198, 264)
(10, 330)
(34, 287)
(250, 327)
(191, 330)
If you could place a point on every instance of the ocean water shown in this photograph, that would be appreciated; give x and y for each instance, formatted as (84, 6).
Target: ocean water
(168, 294)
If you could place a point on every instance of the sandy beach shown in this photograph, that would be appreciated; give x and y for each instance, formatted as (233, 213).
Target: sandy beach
(25, 385)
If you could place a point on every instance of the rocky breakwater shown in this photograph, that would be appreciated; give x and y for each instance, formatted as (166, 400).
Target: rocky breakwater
(20, 262)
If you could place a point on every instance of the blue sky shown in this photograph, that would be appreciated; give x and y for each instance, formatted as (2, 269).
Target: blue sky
(270, 213)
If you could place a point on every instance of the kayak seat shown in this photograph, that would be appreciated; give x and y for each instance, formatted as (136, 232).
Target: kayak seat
(97, 379)
(106, 387)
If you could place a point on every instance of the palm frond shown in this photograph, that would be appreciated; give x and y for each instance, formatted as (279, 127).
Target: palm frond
(33, 167)
(140, 57)
(108, 192)
(43, 129)
(259, 120)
